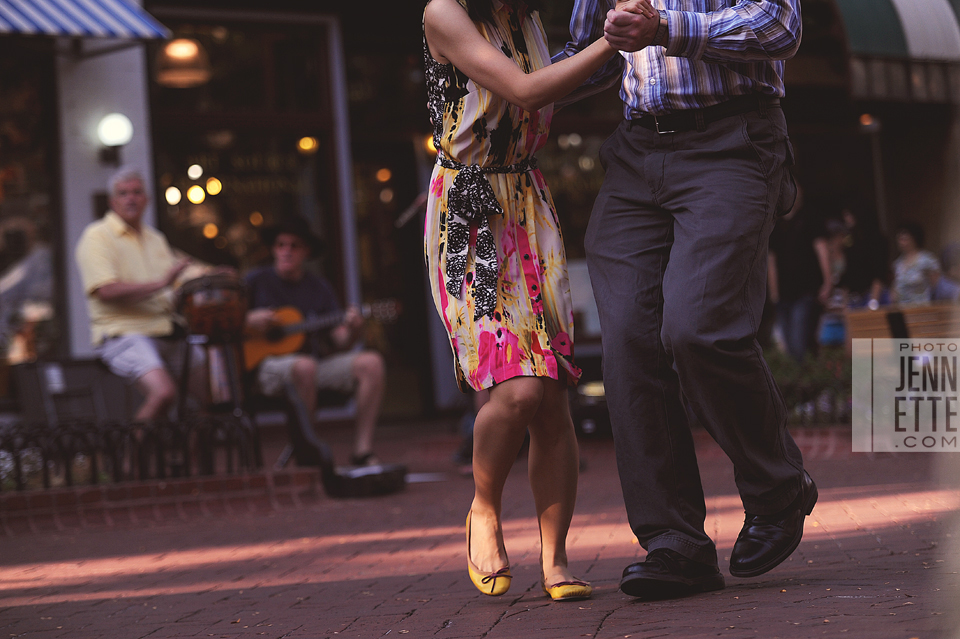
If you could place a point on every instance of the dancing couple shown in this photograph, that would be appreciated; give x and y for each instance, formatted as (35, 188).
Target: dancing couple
(695, 178)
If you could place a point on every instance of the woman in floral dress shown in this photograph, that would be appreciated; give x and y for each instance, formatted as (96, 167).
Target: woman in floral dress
(497, 267)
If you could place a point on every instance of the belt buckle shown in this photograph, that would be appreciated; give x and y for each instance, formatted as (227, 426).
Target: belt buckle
(656, 122)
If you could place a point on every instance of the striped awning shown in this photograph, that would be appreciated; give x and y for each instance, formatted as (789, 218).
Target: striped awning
(83, 18)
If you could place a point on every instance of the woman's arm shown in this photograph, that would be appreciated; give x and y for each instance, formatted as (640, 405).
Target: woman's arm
(453, 37)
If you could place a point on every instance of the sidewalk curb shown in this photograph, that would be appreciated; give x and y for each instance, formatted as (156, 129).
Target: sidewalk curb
(157, 500)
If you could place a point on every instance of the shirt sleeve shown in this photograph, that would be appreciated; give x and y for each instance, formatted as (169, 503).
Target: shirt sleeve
(751, 30)
(928, 262)
(586, 25)
(94, 262)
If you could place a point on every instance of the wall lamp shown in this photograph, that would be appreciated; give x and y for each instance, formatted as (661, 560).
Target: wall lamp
(114, 131)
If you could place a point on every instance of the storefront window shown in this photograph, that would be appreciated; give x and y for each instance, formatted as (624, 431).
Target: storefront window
(245, 140)
(29, 325)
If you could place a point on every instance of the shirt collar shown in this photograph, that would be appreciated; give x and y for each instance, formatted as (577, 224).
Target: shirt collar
(116, 224)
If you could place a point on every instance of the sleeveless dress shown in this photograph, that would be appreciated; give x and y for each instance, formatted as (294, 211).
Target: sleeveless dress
(492, 242)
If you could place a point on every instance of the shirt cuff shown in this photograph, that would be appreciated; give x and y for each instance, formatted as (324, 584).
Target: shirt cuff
(687, 34)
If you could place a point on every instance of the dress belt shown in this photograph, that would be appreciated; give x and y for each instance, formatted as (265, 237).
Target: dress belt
(470, 201)
(698, 119)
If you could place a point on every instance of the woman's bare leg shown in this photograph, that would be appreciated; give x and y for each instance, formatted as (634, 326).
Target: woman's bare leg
(497, 437)
(554, 466)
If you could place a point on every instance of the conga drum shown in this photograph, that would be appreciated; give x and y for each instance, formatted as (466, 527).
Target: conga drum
(214, 306)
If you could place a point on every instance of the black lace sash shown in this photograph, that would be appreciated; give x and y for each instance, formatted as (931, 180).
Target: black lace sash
(470, 201)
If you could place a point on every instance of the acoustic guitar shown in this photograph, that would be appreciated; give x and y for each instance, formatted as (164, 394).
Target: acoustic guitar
(289, 330)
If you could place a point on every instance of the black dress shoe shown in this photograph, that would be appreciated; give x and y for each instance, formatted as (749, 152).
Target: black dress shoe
(666, 574)
(766, 540)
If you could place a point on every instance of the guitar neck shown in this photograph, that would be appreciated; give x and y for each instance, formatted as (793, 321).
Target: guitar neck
(323, 321)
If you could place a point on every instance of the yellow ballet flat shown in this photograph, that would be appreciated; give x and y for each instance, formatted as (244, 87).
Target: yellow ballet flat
(574, 590)
(493, 583)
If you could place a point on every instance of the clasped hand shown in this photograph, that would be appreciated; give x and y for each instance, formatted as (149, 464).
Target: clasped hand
(631, 25)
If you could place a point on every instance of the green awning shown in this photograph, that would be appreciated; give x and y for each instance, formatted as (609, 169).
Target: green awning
(905, 29)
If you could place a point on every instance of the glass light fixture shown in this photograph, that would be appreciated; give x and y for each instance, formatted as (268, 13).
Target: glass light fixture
(308, 145)
(183, 63)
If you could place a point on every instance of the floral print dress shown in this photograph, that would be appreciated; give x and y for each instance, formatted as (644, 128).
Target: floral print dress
(498, 271)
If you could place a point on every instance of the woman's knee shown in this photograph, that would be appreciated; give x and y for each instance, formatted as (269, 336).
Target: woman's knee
(521, 396)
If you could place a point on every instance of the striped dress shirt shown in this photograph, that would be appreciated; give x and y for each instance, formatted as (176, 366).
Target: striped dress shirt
(716, 50)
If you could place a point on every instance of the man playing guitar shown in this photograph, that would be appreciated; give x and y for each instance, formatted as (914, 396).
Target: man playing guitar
(318, 365)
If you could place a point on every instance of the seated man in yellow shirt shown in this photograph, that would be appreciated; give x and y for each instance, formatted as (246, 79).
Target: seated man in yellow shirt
(128, 269)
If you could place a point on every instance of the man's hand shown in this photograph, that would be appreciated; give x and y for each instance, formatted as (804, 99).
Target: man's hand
(345, 335)
(353, 319)
(632, 25)
(260, 320)
(175, 271)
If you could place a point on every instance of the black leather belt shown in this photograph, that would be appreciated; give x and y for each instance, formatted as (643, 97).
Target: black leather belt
(698, 119)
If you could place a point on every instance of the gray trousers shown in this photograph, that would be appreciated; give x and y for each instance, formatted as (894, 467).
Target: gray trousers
(677, 253)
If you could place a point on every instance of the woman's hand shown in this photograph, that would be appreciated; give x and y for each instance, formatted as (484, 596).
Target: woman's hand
(641, 7)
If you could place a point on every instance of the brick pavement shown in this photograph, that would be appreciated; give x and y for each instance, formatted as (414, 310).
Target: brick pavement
(878, 560)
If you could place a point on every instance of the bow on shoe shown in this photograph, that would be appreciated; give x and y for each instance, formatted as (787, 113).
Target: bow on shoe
(470, 201)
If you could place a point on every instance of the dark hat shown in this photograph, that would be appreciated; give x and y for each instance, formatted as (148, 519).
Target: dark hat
(294, 225)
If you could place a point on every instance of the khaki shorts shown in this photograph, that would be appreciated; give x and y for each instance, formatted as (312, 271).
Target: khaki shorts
(133, 356)
(333, 373)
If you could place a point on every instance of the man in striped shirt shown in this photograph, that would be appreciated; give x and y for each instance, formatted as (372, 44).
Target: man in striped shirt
(696, 176)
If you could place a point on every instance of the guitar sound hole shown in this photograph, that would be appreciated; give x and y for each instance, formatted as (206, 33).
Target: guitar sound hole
(275, 333)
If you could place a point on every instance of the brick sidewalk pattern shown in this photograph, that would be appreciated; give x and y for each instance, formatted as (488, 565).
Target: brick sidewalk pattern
(878, 560)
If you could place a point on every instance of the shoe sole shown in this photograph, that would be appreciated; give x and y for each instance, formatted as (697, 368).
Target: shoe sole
(654, 589)
(779, 559)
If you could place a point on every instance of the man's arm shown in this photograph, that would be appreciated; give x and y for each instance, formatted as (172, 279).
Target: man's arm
(135, 291)
(773, 278)
(822, 251)
(346, 334)
(100, 276)
(586, 25)
(748, 32)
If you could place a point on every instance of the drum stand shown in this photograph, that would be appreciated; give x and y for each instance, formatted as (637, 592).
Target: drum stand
(248, 441)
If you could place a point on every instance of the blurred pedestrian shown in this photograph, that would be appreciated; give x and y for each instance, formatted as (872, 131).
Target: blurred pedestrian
(497, 265)
(867, 263)
(948, 285)
(799, 275)
(26, 288)
(916, 271)
(832, 330)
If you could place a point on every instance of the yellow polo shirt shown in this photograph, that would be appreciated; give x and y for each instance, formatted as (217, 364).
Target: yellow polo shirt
(109, 251)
